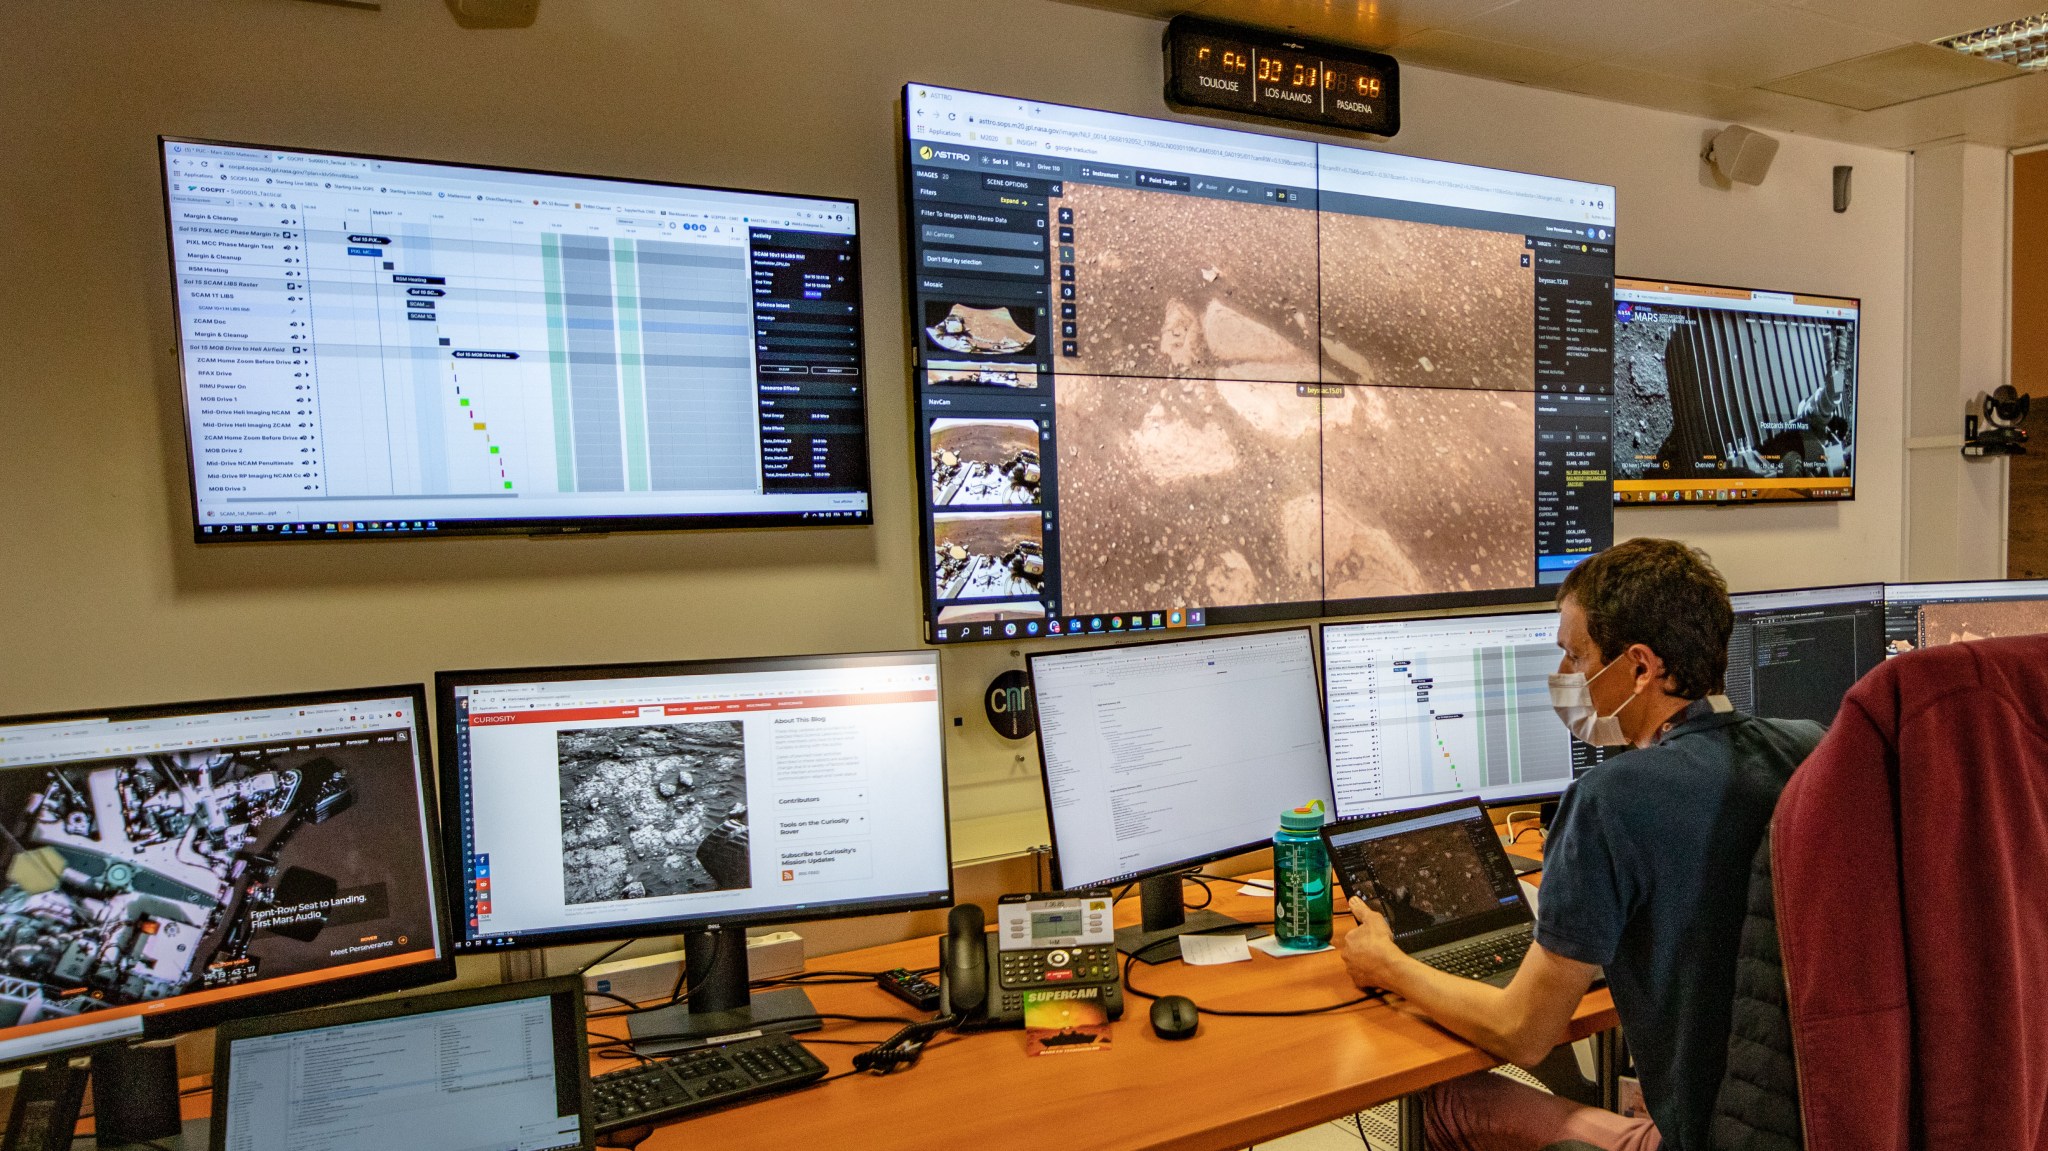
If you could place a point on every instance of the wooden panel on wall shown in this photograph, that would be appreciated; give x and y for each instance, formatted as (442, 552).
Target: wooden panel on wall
(2026, 553)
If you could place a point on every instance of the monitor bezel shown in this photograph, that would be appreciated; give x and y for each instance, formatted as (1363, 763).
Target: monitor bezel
(1305, 611)
(1856, 386)
(177, 1021)
(1531, 794)
(1059, 880)
(547, 525)
(566, 987)
(449, 768)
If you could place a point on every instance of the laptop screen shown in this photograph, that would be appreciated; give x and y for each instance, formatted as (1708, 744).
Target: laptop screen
(1438, 875)
(500, 1071)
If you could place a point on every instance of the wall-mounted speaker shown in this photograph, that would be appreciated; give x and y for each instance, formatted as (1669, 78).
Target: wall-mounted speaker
(1741, 154)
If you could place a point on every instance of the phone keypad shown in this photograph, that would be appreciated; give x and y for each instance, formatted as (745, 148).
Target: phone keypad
(1057, 966)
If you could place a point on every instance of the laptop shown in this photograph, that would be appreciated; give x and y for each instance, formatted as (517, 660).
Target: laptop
(1440, 877)
(502, 1067)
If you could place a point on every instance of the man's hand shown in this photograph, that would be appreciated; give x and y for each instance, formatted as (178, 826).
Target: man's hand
(1370, 954)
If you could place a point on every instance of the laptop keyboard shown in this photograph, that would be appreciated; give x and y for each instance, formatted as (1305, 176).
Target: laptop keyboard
(1483, 958)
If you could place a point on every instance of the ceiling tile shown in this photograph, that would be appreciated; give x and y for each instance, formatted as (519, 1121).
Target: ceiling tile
(1649, 89)
(1372, 23)
(1599, 29)
(1770, 43)
(1469, 54)
(1894, 76)
(1920, 19)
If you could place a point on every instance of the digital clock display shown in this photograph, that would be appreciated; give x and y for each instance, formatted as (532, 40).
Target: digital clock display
(1255, 73)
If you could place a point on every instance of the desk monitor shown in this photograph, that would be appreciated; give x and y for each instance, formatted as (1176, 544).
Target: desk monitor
(491, 1067)
(377, 348)
(1931, 614)
(1162, 756)
(171, 867)
(1166, 367)
(1794, 654)
(621, 801)
(1728, 396)
(1424, 711)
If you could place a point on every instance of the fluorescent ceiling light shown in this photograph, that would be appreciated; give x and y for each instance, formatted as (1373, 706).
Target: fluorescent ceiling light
(2020, 42)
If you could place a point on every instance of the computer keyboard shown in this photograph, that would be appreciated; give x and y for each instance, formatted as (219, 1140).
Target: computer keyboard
(1483, 958)
(701, 1079)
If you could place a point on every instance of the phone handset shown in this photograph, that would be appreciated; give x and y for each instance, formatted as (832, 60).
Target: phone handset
(963, 966)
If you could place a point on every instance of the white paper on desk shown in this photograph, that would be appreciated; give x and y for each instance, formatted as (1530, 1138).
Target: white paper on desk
(1529, 893)
(1256, 890)
(1270, 944)
(1210, 950)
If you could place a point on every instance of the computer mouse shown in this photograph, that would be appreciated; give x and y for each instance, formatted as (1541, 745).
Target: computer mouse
(1174, 1017)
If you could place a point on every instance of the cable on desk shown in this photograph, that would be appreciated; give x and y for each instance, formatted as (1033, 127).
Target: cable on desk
(1133, 989)
(1208, 895)
(585, 969)
(1514, 835)
(629, 1043)
(1261, 884)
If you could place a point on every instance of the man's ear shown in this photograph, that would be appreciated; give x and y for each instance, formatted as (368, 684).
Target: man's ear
(1647, 662)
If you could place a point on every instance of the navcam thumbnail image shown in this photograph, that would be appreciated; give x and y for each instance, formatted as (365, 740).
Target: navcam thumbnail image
(654, 810)
(1426, 305)
(963, 330)
(1733, 391)
(1230, 492)
(984, 462)
(159, 875)
(1175, 285)
(1436, 877)
(977, 554)
(1946, 623)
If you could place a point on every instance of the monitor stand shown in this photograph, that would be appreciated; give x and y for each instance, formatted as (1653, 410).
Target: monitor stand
(1165, 917)
(719, 1003)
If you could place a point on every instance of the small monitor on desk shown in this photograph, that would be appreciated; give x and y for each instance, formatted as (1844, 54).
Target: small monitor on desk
(622, 801)
(171, 867)
(1794, 654)
(1931, 614)
(1423, 711)
(1164, 756)
(499, 1067)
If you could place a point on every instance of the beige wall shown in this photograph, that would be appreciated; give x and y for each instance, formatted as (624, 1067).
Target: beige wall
(106, 602)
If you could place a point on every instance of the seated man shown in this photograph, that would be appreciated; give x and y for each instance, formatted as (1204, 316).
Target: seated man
(1646, 873)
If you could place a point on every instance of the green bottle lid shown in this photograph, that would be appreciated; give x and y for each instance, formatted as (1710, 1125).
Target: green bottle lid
(1307, 817)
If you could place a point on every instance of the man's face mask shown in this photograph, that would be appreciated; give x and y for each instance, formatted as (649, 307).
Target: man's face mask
(1571, 697)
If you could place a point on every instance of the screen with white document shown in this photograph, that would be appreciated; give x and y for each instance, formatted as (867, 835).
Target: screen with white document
(600, 802)
(1167, 755)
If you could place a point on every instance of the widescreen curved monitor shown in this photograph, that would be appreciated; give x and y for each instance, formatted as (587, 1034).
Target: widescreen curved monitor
(616, 801)
(171, 867)
(379, 348)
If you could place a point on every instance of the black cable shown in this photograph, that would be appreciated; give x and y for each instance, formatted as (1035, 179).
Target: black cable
(1261, 884)
(585, 969)
(630, 1042)
(1208, 894)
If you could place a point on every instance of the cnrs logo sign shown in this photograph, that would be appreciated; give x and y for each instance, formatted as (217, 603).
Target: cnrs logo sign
(1011, 710)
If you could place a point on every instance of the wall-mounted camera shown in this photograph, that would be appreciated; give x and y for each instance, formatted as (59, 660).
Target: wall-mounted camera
(1999, 431)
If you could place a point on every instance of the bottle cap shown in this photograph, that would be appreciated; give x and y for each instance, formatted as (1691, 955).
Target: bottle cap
(1307, 817)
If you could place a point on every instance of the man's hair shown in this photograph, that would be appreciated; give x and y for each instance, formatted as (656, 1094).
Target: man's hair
(1664, 595)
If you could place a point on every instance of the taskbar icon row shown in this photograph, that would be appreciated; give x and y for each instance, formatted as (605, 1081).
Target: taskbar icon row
(326, 528)
(1041, 627)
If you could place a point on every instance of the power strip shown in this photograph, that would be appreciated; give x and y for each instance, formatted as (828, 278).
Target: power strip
(646, 977)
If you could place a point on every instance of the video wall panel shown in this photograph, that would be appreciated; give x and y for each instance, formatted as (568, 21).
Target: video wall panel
(1173, 375)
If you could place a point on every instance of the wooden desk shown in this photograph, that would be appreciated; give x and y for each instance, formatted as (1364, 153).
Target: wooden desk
(1237, 1081)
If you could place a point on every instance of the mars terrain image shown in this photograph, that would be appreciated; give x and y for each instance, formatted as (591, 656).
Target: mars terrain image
(1945, 623)
(970, 331)
(656, 810)
(1223, 493)
(1425, 305)
(979, 555)
(1185, 286)
(1197, 492)
(982, 462)
(1427, 490)
(1444, 878)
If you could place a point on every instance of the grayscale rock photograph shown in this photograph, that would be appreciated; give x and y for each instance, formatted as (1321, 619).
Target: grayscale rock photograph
(651, 811)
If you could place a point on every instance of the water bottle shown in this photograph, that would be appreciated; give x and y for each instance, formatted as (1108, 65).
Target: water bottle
(1301, 879)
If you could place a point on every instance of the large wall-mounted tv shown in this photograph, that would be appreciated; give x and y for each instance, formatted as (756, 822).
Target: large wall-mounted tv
(375, 347)
(1732, 395)
(1171, 374)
